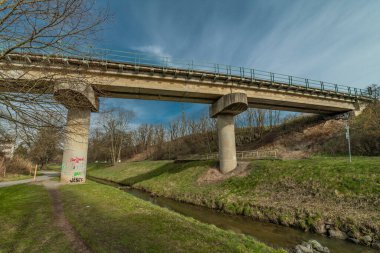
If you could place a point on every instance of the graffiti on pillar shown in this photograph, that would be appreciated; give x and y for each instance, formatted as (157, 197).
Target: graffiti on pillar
(76, 180)
(76, 159)
(77, 165)
(74, 168)
(77, 162)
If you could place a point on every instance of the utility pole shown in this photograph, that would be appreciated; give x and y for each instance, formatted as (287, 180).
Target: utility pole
(348, 140)
(346, 117)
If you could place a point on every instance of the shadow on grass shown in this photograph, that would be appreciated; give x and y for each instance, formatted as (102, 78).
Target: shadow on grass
(169, 168)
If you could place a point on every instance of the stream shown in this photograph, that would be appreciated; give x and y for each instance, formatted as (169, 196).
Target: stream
(274, 235)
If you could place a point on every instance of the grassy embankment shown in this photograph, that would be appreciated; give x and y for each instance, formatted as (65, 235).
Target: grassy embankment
(110, 220)
(26, 221)
(325, 195)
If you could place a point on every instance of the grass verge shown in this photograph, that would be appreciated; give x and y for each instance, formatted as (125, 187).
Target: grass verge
(14, 177)
(26, 221)
(110, 220)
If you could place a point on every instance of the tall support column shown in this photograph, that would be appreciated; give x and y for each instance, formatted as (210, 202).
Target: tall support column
(227, 148)
(224, 110)
(74, 161)
(80, 100)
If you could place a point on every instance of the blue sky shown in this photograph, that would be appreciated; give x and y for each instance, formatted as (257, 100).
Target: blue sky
(336, 41)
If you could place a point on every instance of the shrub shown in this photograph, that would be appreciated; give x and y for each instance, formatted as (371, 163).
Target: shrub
(19, 165)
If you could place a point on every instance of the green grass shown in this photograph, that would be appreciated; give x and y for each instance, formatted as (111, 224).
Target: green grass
(356, 179)
(54, 167)
(26, 221)
(14, 177)
(360, 178)
(294, 192)
(110, 220)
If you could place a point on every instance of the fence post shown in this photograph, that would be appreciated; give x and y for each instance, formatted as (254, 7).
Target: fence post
(35, 173)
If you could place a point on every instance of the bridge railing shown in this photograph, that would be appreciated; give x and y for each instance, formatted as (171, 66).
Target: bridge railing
(246, 74)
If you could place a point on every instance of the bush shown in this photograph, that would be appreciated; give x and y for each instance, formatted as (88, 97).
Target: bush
(365, 135)
(19, 165)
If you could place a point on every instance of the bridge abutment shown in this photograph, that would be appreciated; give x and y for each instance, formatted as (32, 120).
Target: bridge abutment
(224, 111)
(80, 100)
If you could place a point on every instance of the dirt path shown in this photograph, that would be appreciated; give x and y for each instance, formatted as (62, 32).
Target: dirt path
(60, 220)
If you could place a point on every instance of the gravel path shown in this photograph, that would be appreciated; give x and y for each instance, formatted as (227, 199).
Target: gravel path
(24, 181)
(46, 176)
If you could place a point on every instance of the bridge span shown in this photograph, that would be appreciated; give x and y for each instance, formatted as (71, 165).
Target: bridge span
(229, 90)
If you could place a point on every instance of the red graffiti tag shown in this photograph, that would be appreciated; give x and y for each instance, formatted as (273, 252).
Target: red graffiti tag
(76, 159)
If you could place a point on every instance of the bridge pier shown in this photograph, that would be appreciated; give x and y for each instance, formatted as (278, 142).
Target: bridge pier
(224, 111)
(80, 100)
(74, 160)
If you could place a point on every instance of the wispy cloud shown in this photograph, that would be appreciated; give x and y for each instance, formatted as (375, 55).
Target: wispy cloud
(152, 49)
(335, 41)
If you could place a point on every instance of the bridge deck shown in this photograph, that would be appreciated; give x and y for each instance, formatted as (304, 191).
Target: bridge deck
(197, 83)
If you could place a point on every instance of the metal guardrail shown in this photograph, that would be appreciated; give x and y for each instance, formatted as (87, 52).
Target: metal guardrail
(143, 59)
(240, 155)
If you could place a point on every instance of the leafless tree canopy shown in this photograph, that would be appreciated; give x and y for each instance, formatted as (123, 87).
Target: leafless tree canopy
(41, 27)
(52, 26)
(112, 141)
(111, 134)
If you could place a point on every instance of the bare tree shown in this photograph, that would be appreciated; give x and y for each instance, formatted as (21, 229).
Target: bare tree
(35, 27)
(116, 124)
(46, 146)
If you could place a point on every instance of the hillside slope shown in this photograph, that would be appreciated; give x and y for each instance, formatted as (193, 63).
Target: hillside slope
(299, 142)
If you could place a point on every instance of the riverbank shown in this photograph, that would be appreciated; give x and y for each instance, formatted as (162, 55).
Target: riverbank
(110, 220)
(104, 219)
(322, 195)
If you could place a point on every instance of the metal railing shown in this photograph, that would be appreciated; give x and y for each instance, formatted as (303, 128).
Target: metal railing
(247, 74)
(240, 155)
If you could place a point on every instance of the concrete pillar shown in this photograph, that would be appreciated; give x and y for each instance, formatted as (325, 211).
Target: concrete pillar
(224, 110)
(227, 148)
(80, 100)
(74, 161)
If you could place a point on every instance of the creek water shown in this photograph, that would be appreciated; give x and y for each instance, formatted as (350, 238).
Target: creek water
(274, 235)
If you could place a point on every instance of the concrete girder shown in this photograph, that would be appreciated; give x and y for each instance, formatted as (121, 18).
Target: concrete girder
(231, 104)
(76, 96)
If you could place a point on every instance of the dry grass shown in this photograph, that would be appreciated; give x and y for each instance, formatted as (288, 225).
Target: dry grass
(16, 167)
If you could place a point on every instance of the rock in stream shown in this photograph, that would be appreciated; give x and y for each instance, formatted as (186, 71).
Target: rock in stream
(312, 246)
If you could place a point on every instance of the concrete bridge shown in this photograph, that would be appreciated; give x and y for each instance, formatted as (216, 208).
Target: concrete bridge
(229, 90)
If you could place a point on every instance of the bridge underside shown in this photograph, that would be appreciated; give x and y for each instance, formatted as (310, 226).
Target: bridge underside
(261, 103)
(191, 91)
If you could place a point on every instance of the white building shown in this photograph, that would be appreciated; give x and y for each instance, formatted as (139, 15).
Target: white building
(7, 148)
